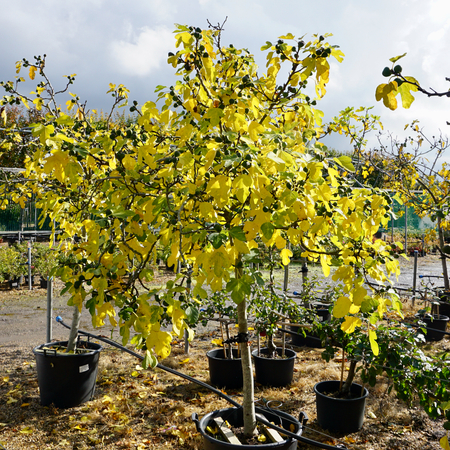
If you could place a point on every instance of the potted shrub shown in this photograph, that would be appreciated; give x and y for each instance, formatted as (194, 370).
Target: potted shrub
(65, 378)
(225, 366)
(313, 307)
(341, 403)
(45, 261)
(12, 264)
(274, 366)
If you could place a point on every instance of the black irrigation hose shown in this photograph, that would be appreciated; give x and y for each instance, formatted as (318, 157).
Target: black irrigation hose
(259, 418)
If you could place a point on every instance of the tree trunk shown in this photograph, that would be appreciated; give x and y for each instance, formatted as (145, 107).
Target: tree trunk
(71, 345)
(443, 257)
(350, 376)
(247, 372)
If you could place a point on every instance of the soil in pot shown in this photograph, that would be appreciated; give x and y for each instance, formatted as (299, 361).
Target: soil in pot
(340, 415)
(274, 372)
(234, 420)
(225, 372)
(66, 379)
(436, 325)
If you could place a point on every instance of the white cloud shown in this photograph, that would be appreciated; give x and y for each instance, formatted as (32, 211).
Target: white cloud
(142, 54)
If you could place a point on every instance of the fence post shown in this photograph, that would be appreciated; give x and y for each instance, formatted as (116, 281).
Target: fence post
(30, 280)
(416, 254)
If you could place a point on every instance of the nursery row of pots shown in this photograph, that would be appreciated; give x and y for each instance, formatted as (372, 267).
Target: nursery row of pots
(344, 415)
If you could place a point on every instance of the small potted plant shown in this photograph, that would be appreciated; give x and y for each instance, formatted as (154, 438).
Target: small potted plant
(45, 260)
(225, 367)
(274, 366)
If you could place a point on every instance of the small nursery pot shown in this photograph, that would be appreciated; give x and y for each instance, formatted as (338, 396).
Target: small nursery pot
(234, 417)
(66, 379)
(311, 340)
(223, 372)
(435, 325)
(274, 372)
(340, 415)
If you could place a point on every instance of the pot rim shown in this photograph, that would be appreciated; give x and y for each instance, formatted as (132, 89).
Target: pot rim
(93, 346)
(203, 422)
(209, 354)
(366, 392)
(278, 349)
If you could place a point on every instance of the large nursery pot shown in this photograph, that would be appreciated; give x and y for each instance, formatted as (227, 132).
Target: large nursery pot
(225, 372)
(340, 415)
(274, 372)
(436, 324)
(234, 417)
(66, 379)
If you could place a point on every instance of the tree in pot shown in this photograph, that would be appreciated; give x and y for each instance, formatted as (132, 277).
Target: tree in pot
(274, 366)
(225, 366)
(231, 157)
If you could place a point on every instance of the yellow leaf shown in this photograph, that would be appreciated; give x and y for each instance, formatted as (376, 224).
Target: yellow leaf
(350, 323)
(217, 342)
(373, 342)
(185, 361)
(32, 72)
(24, 404)
(286, 255)
(444, 443)
(27, 430)
(341, 307)
(358, 295)
(324, 260)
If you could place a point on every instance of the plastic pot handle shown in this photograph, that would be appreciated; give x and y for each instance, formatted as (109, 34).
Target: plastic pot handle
(194, 418)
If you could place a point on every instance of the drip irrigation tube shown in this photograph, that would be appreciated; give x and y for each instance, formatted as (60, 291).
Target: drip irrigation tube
(259, 418)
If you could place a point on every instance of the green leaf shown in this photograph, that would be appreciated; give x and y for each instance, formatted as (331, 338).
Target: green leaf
(238, 233)
(267, 230)
(217, 239)
(149, 360)
(192, 314)
(345, 162)
(396, 58)
(240, 288)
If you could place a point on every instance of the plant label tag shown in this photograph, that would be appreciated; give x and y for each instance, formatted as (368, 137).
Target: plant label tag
(84, 368)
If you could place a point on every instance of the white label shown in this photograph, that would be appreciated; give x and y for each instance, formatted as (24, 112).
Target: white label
(84, 368)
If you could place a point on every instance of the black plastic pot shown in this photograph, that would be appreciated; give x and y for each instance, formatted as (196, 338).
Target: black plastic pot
(311, 340)
(15, 283)
(223, 372)
(66, 379)
(444, 308)
(274, 372)
(340, 415)
(435, 325)
(234, 417)
(43, 283)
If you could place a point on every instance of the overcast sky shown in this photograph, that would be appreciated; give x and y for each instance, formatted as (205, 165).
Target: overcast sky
(117, 41)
